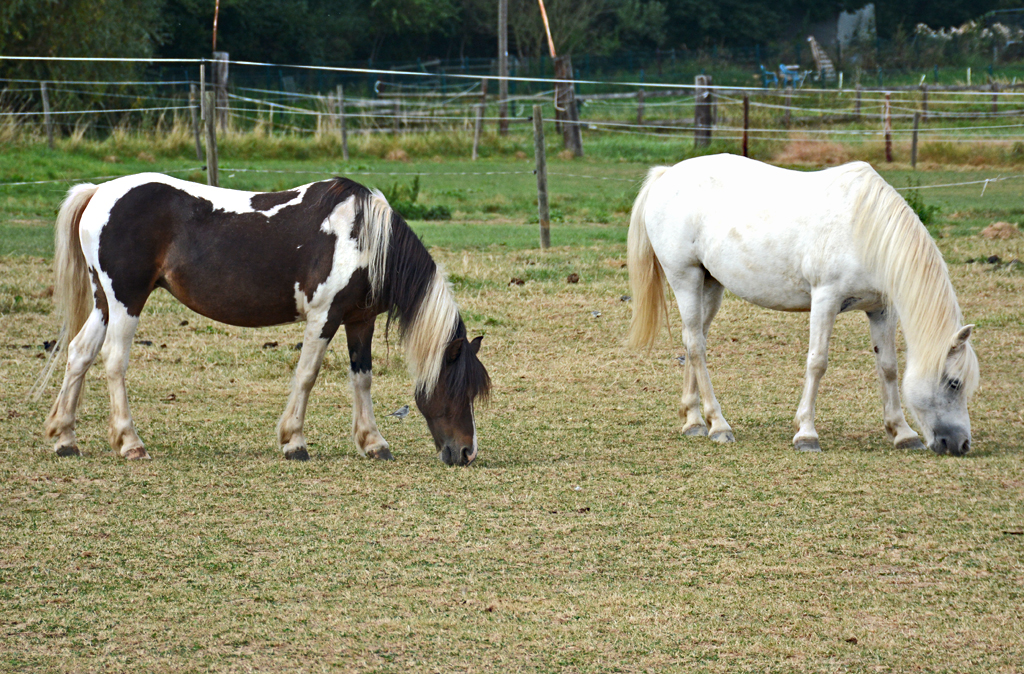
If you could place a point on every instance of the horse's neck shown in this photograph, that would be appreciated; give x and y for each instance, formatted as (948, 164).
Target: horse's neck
(916, 282)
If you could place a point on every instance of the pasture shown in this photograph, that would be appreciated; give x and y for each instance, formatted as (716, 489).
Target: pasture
(589, 535)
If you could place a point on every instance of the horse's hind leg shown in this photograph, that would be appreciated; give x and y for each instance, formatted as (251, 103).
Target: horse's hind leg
(689, 409)
(689, 288)
(883, 338)
(289, 429)
(82, 352)
(116, 348)
(365, 433)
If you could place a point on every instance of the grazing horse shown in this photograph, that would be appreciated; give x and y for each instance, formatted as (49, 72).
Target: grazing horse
(826, 242)
(331, 253)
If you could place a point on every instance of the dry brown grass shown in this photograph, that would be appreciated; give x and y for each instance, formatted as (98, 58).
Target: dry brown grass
(589, 536)
(809, 152)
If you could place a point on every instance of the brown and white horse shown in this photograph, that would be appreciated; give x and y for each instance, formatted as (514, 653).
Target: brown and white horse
(331, 253)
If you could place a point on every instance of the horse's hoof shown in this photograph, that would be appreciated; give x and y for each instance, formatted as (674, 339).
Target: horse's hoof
(380, 453)
(723, 437)
(136, 454)
(696, 431)
(807, 445)
(910, 443)
(296, 454)
(67, 450)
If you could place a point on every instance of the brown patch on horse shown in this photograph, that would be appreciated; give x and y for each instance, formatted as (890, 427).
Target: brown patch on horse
(99, 297)
(265, 201)
(236, 268)
(136, 454)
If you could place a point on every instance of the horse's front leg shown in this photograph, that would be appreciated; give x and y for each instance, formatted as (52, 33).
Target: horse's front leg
(289, 429)
(824, 309)
(365, 433)
(883, 339)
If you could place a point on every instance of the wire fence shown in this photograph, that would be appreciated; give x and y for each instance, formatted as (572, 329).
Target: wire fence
(403, 102)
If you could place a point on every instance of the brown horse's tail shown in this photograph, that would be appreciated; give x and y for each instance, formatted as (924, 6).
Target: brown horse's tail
(646, 277)
(72, 291)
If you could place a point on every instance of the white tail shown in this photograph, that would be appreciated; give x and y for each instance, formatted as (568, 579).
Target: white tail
(72, 292)
(646, 277)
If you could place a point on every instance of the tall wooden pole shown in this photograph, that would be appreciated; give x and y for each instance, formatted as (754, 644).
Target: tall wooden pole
(542, 178)
(477, 128)
(47, 119)
(888, 128)
(193, 95)
(503, 67)
(210, 104)
(702, 111)
(342, 123)
(913, 141)
(746, 123)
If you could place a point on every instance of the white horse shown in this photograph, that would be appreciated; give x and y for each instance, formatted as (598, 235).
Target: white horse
(825, 242)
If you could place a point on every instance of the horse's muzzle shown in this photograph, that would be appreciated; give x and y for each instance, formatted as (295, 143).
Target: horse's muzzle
(452, 456)
(950, 441)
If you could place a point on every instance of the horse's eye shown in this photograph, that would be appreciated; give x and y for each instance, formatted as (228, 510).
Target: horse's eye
(954, 384)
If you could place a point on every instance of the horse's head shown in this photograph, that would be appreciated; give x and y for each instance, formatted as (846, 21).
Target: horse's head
(939, 402)
(448, 409)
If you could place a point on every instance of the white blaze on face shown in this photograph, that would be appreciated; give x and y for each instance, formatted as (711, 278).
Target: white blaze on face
(472, 416)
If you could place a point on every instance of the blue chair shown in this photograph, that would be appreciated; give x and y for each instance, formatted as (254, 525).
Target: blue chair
(768, 76)
(790, 75)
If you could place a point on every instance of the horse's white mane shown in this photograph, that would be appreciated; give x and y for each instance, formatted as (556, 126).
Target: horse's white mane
(437, 318)
(896, 246)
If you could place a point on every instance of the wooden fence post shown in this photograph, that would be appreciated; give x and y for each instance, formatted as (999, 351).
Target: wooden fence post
(995, 98)
(856, 104)
(47, 119)
(566, 110)
(220, 83)
(477, 128)
(397, 113)
(210, 105)
(746, 123)
(542, 178)
(888, 129)
(703, 99)
(640, 107)
(193, 94)
(924, 101)
(342, 123)
(503, 67)
(483, 100)
(913, 141)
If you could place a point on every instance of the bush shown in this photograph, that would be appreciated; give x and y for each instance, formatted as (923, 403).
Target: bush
(404, 198)
(924, 211)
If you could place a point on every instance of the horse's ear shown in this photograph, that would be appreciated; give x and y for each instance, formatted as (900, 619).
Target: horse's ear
(454, 349)
(474, 346)
(961, 337)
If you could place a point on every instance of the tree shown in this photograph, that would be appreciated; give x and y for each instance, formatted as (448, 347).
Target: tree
(108, 28)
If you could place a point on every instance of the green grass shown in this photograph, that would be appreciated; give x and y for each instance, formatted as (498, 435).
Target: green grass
(589, 536)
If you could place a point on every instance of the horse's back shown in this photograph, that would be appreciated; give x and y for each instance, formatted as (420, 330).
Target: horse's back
(768, 234)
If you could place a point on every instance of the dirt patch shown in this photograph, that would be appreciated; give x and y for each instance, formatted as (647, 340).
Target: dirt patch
(813, 152)
(1000, 230)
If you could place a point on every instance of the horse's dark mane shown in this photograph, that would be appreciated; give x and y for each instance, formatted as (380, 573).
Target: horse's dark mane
(409, 271)
(467, 379)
